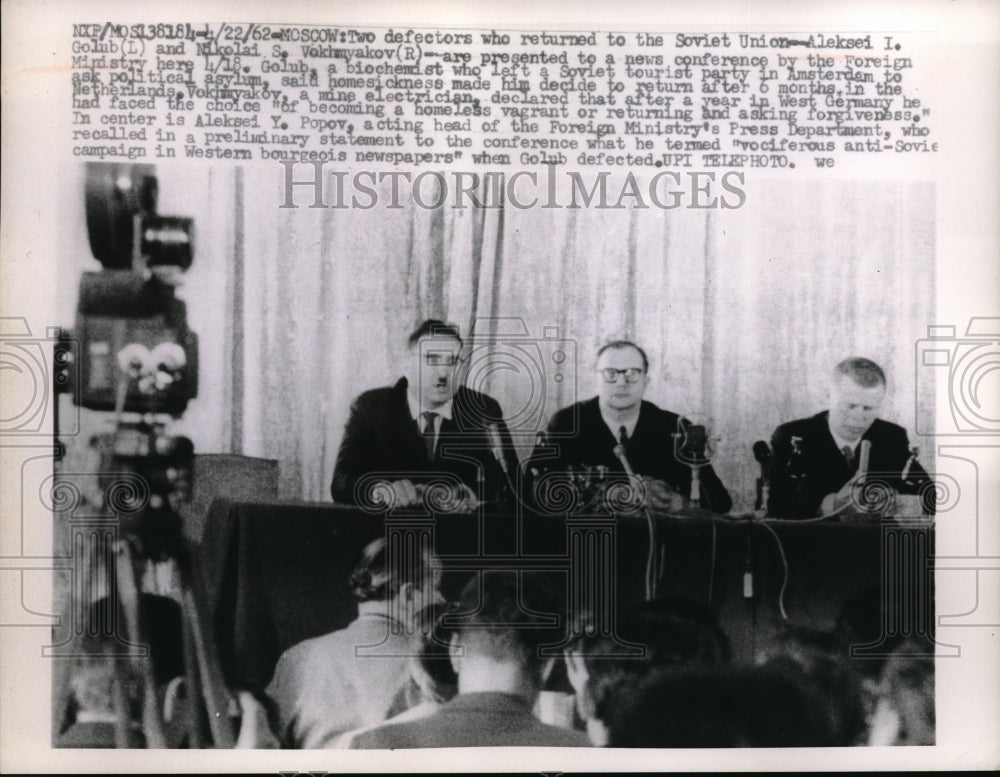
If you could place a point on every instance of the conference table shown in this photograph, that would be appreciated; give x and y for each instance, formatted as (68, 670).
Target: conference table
(270, 574)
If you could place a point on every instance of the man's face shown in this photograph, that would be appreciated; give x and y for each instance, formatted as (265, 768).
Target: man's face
(853, 408)
(434, 362)
(619, 394)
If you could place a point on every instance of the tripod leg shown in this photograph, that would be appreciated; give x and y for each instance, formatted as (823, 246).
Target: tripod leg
(128, 593)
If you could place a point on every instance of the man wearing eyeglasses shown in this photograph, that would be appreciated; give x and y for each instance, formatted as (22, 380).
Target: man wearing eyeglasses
(425, 432)
(586, 435)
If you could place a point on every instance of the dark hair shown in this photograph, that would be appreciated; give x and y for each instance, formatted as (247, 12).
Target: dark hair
(864, 372)
(817, 657)
(862, 621)
(376, 578)
(667, 638)
(717, 707)
(433, 659)
(616, 344)
(433, 327)
(507, 616)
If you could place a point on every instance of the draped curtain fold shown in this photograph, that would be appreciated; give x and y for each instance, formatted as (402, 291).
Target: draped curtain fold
(743, 312)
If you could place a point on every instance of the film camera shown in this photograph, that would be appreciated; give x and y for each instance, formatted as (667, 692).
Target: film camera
(131, 352)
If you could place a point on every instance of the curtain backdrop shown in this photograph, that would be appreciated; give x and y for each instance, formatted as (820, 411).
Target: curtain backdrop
(743, 312)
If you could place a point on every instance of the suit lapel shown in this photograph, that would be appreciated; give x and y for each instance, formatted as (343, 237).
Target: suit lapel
(407, 429)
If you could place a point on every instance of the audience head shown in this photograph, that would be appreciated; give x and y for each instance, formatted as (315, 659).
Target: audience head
(702, 639)
(602, 668)
(905, 713)
(96, 675)
(501, 622)
(861, 622)
(817, 658)
(717, 707)
(431, 667)
(622, 375)
(435, 349)
(857, 390)
(385, 576)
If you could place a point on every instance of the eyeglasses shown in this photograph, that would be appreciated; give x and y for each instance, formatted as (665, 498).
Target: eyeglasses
(440, 359)
(610, 374)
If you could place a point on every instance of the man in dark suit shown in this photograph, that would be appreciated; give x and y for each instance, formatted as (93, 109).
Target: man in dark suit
(425, 429)
(816, 461)
(495, 652)
(586, 435)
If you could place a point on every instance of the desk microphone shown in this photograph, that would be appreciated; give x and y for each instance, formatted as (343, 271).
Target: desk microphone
(762, 453)
(496, 446)
(652, 570)
(691, 448)
(863, 455)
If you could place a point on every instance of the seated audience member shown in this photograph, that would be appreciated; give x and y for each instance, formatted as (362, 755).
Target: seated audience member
(432, 679)
(495, 652)
(602, 669)
(105, 699)
(818, 658)
(862, 631)
(904, 714)
(815, 469)
(347, 679)
(709, 644)
(423, 429)
(717, 707)
(586, 434)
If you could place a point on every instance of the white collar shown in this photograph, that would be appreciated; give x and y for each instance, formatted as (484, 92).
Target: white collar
(443, 411)
(615, 426)
(840, 441)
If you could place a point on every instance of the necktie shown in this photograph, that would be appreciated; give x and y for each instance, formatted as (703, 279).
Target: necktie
(429, 417)
(622, 436)
(848, 452)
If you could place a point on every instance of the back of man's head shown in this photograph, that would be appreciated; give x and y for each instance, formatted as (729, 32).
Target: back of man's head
(380, 573)
(731, 706)
(672, 632)
(503, 620)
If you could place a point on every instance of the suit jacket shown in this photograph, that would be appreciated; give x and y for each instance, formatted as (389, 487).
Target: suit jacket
(800, 481)
(583, 439)
(383, 437)
(473, 720)
(321, 689)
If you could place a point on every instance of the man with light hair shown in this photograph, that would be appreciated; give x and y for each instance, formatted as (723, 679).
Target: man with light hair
(822, 464)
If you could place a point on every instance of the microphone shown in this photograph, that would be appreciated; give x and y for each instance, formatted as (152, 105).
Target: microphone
(652, 569)
(762, 453)
(863, 456)
(691, 448)
(905, 474)
(496, 446)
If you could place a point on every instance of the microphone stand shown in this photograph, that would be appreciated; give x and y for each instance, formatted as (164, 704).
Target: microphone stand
(496, 446)
(652, 568)
(695, 461)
